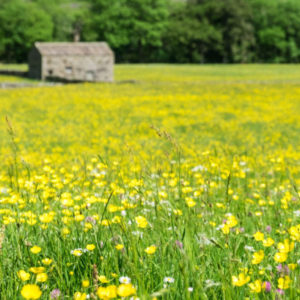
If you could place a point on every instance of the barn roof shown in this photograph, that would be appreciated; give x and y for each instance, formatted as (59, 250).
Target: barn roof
(75, 49)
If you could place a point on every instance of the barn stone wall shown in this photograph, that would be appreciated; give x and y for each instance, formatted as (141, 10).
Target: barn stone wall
(35, 64)
(78, 68)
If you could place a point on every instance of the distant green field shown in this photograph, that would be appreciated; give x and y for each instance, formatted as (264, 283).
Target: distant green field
(191, 73)
(8, 78)
(20, 67)
(174, 182)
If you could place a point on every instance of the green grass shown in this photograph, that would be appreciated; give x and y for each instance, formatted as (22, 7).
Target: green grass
(17, 67)
(186, 147)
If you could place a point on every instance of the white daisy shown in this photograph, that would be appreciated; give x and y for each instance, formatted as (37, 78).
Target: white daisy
(124, 279)
(169, 280)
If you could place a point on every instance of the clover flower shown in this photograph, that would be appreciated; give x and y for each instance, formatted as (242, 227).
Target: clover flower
(55, 294)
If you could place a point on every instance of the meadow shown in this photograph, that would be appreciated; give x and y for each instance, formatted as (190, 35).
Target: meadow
(175, 182)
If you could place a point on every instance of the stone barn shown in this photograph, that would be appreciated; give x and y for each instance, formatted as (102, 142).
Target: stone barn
(80, 61)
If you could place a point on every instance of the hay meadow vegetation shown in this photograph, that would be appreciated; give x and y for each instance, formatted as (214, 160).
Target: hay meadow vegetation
(175, 182)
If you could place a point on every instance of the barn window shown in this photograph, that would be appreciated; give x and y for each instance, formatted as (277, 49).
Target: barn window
(89, 76)
(68, 70)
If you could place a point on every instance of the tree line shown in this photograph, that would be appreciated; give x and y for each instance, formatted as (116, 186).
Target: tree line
(175, 31)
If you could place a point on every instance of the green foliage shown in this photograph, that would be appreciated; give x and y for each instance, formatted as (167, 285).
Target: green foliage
(200, 31)
(193, 38)
(134, 28)
(277, 28)
(212, 31)
(67, 16)
(21, 25)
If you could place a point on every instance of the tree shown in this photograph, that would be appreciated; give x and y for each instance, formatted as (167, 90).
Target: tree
(201, 31)
(68, 17)
(132, 27)
(233, 19)
(277, 30)
(211, 31)
(191, 37)
(22, 23)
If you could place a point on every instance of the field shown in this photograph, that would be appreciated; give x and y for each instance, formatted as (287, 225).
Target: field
(175, 182)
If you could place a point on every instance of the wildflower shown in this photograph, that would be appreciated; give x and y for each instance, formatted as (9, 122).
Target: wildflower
(90, 247)
(46, 261)
(79, 296)
(23, 275)
(124, 279)
(266, 286)
(279, 268)
(177, 212)
(280, 257)
(258, 236)
(294, 232)
(198, 168)
(105, 222)
(231, 221)
(76, 252)
(31, 291)
(91, 220)
(169, 280)
(150, 250)
(85, 283)
(65, 231)
(297, 213)
(119, 246)
(190, 202)
(239, 230)
(46, 218)
(257, 257)
(249, 248)
(103, 279)
(79, 218)
(41, 277)
(190, 289)
(116, 220)
(255, 287)
(268, 228)
(284, 283)
(280, 292)
(292, 266)
(141, 221)
(108, 292)
(138, 233)
(35, 249)
(283, 270)
(240, 280)
(210, 283)
(37, 270)
(55, 294)
(268, 242)
(125, 290)
(179, 244)
(286, 246)
(225, 228)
